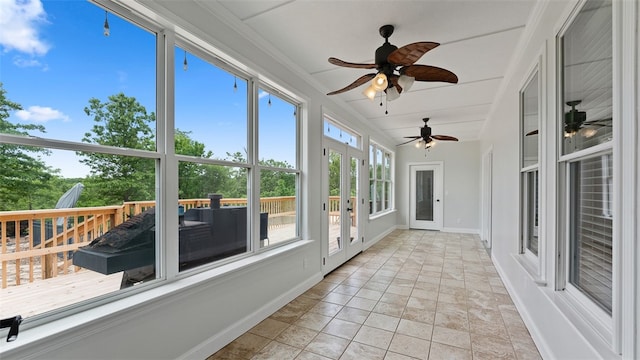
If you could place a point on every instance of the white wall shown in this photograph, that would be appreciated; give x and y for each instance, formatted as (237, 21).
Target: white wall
(194, 317)
(462, 181)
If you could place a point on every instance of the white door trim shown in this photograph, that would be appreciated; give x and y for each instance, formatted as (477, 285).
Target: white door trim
(438, 198)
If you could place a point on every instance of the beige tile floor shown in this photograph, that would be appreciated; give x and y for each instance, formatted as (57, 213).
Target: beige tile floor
(413, 295)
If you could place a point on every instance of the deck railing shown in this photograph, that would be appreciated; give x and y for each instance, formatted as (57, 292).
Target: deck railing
(47, 238)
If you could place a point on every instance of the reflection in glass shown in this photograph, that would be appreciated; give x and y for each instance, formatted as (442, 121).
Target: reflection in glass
(531, 237)
(424, 195)
(530, 122)
(591, 235)
(587, 78)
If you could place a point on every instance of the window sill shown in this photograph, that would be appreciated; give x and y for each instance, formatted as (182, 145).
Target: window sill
(530, 268)
(105, 316)
(382, 214)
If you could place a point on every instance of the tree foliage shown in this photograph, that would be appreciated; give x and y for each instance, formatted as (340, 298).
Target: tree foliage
(24, 174)
(120, 122)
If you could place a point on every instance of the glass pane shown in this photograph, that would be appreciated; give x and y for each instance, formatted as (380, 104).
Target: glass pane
(212, 212)
(86, 82)
(278, 122)
(353, 201)
(587, 78)
(372, 196)
(372, 161)
(387, 195)
(424, 195)
(379, 164)
(530, 122)
(341, 134)
(591, 219)
(379, 194)
(387, 166)
(335, 192)
(531, 238)
(105, 210)
(210, 110)
(278, 204)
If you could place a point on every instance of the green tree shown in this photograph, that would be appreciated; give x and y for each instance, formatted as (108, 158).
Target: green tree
(277, 183)
(24, 173)
(121, 122)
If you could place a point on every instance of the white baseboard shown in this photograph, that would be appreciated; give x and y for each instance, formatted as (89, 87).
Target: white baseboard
(449, 230)
(536, 335)
(461, 231)
(221, 339)
(381, 236)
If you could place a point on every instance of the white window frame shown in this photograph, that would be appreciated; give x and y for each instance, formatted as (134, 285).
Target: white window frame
(534, 264)
(602, 329)
(167, 250)
(388, 198)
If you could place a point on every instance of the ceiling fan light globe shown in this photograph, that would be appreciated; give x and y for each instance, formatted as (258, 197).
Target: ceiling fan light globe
(380, 82)
(405, 82)
(392, 93)
(588, 132)
(370, 92)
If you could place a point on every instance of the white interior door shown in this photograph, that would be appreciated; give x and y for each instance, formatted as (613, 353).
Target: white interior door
(342, 205)
(427, 202)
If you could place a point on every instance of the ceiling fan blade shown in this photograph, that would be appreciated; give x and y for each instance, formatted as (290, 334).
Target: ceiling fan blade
(361, 80)
(429, 73)
(412, 137)
(339, 62)
(444, 137)
(406, 142)
(598, 122)
(409, 54)
(532, 132)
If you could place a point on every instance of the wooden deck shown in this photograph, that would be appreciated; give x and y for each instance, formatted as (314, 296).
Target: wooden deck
(42, 295)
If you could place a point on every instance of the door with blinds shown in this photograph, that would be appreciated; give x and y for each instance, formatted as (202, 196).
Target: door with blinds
(426, 203)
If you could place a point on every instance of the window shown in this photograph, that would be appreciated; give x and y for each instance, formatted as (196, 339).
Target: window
(380, 179)
(587, 154)
(80, 156)
(529, 145)
(102, 175)
(278, 166)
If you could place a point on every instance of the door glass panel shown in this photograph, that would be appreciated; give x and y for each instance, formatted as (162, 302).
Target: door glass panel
(424, 195)
(353, 200)
(335, 190)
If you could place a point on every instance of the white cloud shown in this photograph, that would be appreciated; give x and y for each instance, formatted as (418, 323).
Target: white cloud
(19, 61)
(262, 94)
(41, 114)
(19, 20)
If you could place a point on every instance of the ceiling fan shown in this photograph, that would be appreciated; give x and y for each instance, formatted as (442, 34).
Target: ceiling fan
(576, 122)
(395, 67)
(427, 137)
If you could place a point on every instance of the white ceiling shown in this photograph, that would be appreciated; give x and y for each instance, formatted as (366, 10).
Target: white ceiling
(477, 40)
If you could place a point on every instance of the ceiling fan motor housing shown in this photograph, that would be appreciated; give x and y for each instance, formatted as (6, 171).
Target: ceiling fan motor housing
(425, 132)
(382, 53)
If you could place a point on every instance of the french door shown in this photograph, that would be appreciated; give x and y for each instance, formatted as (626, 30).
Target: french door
(342, 205)
(427, 202)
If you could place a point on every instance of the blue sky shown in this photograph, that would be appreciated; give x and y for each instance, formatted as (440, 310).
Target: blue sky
(54, 57)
